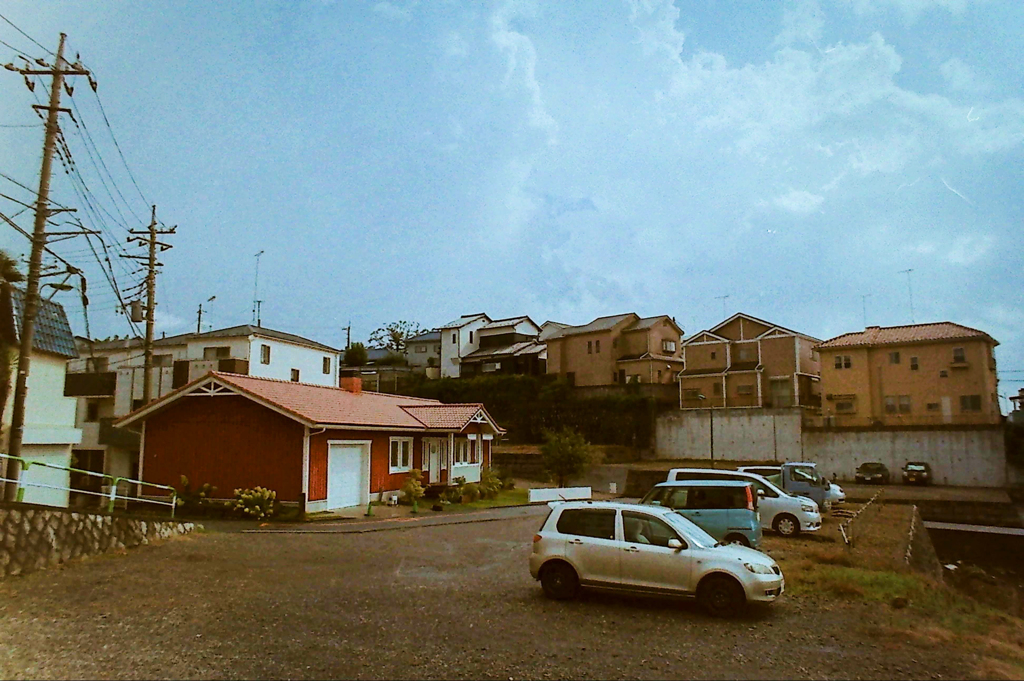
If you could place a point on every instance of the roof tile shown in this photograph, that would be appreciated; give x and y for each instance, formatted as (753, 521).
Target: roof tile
(911, 333)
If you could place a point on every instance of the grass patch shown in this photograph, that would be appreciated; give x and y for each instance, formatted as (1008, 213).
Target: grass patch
(507, 497)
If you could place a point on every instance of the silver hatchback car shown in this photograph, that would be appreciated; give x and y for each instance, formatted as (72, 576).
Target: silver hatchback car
(647, 549)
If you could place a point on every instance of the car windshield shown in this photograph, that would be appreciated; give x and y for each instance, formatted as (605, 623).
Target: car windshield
(871, 467)
(810, 472)
(688, 529)
(915, 467)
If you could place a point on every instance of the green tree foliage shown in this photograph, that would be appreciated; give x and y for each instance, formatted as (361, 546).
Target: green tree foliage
(394, 336)
(566, 454)
(355, 355)
(526, 406)
(413, 487)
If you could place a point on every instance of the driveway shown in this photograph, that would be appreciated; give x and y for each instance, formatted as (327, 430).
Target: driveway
(450, 601)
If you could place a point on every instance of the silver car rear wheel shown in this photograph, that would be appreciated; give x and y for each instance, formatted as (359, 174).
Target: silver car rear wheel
(787, 525)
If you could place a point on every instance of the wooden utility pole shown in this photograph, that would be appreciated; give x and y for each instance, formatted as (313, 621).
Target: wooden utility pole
(149, 237)
(57, 72)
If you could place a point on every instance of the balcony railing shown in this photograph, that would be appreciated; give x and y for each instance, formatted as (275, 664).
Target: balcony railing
(898, 420)
(90, 384)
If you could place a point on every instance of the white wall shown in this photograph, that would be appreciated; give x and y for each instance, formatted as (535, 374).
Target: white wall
(973, 458)
(740, 435)
(461, 347)
(239, 346)
(287, 356)
(59, 455)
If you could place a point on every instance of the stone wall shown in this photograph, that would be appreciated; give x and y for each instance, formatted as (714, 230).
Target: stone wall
(35, 537)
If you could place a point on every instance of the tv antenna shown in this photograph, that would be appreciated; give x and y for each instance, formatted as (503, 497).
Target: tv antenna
(256, 291)
(910, 293)
(864, 307)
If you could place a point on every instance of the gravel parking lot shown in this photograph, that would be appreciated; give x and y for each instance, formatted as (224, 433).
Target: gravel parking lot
(451, 601)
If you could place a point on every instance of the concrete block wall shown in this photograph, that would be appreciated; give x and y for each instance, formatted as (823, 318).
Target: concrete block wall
(740, 434)
(36, 537)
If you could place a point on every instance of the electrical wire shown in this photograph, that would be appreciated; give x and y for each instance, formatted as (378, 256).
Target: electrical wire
(39, 44)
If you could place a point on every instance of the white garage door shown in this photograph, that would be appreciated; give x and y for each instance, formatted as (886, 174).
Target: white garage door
(345, 475)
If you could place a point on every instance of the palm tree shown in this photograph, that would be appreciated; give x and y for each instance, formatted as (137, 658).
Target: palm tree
(9, 274)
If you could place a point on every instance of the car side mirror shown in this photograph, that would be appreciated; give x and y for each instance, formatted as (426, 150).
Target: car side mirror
(760, 492)
(675, 544)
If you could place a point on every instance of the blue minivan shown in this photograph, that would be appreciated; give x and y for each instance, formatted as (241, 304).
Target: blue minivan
(725, 509)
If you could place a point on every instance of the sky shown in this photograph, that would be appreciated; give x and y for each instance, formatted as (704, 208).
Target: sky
(423, 160)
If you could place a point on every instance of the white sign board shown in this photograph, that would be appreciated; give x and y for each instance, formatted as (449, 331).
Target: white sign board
(559, 494)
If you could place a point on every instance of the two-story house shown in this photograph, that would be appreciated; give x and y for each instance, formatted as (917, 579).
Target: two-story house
(107, 379)
(458, 339)
(617, 349)
(49, 430)
(507, 346)
(919, 374)
(748, 362)
(423, 352)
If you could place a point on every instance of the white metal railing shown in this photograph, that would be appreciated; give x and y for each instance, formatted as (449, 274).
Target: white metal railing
(113, 481)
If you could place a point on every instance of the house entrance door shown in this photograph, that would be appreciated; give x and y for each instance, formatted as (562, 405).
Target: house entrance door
(433, 460)
(782, 392)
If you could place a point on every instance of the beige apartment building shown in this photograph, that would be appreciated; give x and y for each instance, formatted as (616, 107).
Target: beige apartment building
(748, 362)
(921, 374)
(617, 349)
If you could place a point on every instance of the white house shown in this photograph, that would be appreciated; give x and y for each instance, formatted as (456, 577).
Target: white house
(458, 339)
(107, 379)
(49, 429)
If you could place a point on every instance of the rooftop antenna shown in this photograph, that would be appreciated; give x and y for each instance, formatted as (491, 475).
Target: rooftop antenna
(256, 291)
(910, 292)
(864, 307)
(723, 299)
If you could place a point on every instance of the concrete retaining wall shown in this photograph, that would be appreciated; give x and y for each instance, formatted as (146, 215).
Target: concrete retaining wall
(740, 435)
(35, 537)
(972, 458)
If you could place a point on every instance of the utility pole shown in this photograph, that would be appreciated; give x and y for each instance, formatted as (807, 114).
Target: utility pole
(256, 292)
(57, 72)
(723, 299)
(864, 307)
(199, 317)
(149, 237)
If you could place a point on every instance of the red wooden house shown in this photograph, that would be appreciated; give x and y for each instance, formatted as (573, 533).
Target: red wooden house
(320, 446)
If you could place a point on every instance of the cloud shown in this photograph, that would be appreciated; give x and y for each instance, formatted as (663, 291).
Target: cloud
(799, 201)
(521, 67)
(911, 9)
(969, 249)
(455, 46)
(393, 11)
(960, 77)
(655, 22)
(802, 22)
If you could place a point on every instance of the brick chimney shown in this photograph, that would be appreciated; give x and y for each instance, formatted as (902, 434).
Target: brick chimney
(350, 380)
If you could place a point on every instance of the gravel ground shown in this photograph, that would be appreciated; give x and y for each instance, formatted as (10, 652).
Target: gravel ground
(452, 601)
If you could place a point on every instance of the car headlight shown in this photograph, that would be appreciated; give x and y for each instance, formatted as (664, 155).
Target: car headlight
(758, 569)
(807, 508)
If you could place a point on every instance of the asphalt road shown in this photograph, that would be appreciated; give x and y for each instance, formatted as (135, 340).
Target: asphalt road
(449, 601)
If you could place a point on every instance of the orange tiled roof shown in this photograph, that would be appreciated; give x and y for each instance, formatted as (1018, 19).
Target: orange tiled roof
(331, 406)
(912, 333)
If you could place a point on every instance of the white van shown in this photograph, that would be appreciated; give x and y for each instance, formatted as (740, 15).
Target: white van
(786, 514)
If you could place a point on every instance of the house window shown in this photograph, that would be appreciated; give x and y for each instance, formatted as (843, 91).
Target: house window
(890, 404)
(717, 389)
(843, 362)
(597, 346)
(959, 356)
(590, 347)
(745, 389)
(746, 354)
(970, 403)
(92, 411)
(401, 455)
(814, 355)
(327, 365)
(691, 394)
(904, 404)
(932, 406)
(659, 375)
(461, 452)
(846, 407)
(295, 375)
(913, 364)
(163, 360)
(421, 349)
(453, 339)
(264, 354)
(137, 404)
(668, 346)
(219, 352)
(894, 358)
(943, 374)
(713, 354)
(97, 364)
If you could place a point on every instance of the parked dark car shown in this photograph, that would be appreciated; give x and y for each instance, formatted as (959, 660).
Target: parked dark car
(872, 473)
(917, 473)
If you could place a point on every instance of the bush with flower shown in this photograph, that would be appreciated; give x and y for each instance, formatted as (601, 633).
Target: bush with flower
(257, 503)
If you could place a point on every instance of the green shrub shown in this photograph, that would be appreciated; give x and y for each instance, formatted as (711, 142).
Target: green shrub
(198, 502)
(413, 488)
(257, 502)
(453, 495)
(490, 483)
(565, 453)
(470, 492)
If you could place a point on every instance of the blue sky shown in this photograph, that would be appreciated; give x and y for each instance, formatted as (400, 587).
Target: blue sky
(421, 160)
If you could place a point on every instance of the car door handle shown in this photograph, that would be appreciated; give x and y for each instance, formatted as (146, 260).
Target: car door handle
(575, 541)
(632, 549)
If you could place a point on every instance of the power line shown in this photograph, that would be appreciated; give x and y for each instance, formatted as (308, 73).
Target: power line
(20, 53)
(38, 44)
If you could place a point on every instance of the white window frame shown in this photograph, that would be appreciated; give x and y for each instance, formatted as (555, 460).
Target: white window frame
(400, 468)
(668, 345)
(327, 366)
(264, 353)
(460, 453)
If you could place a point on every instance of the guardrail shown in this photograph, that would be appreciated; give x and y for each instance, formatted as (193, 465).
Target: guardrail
(113, 481)
(846, 528)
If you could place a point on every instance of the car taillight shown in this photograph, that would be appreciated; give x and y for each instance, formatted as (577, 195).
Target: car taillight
(750, 499)
(536, 538)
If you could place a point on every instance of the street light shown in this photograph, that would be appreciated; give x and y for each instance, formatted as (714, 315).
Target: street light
(711, 417)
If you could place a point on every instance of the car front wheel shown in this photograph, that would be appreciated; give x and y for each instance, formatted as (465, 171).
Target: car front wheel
(787, 525)
(721, 596)
(737, 539)
(560, 581)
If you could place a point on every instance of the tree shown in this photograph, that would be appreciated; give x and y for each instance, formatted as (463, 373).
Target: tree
(565, 454)
(9, 274)
(355, 355)
(394, 336)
